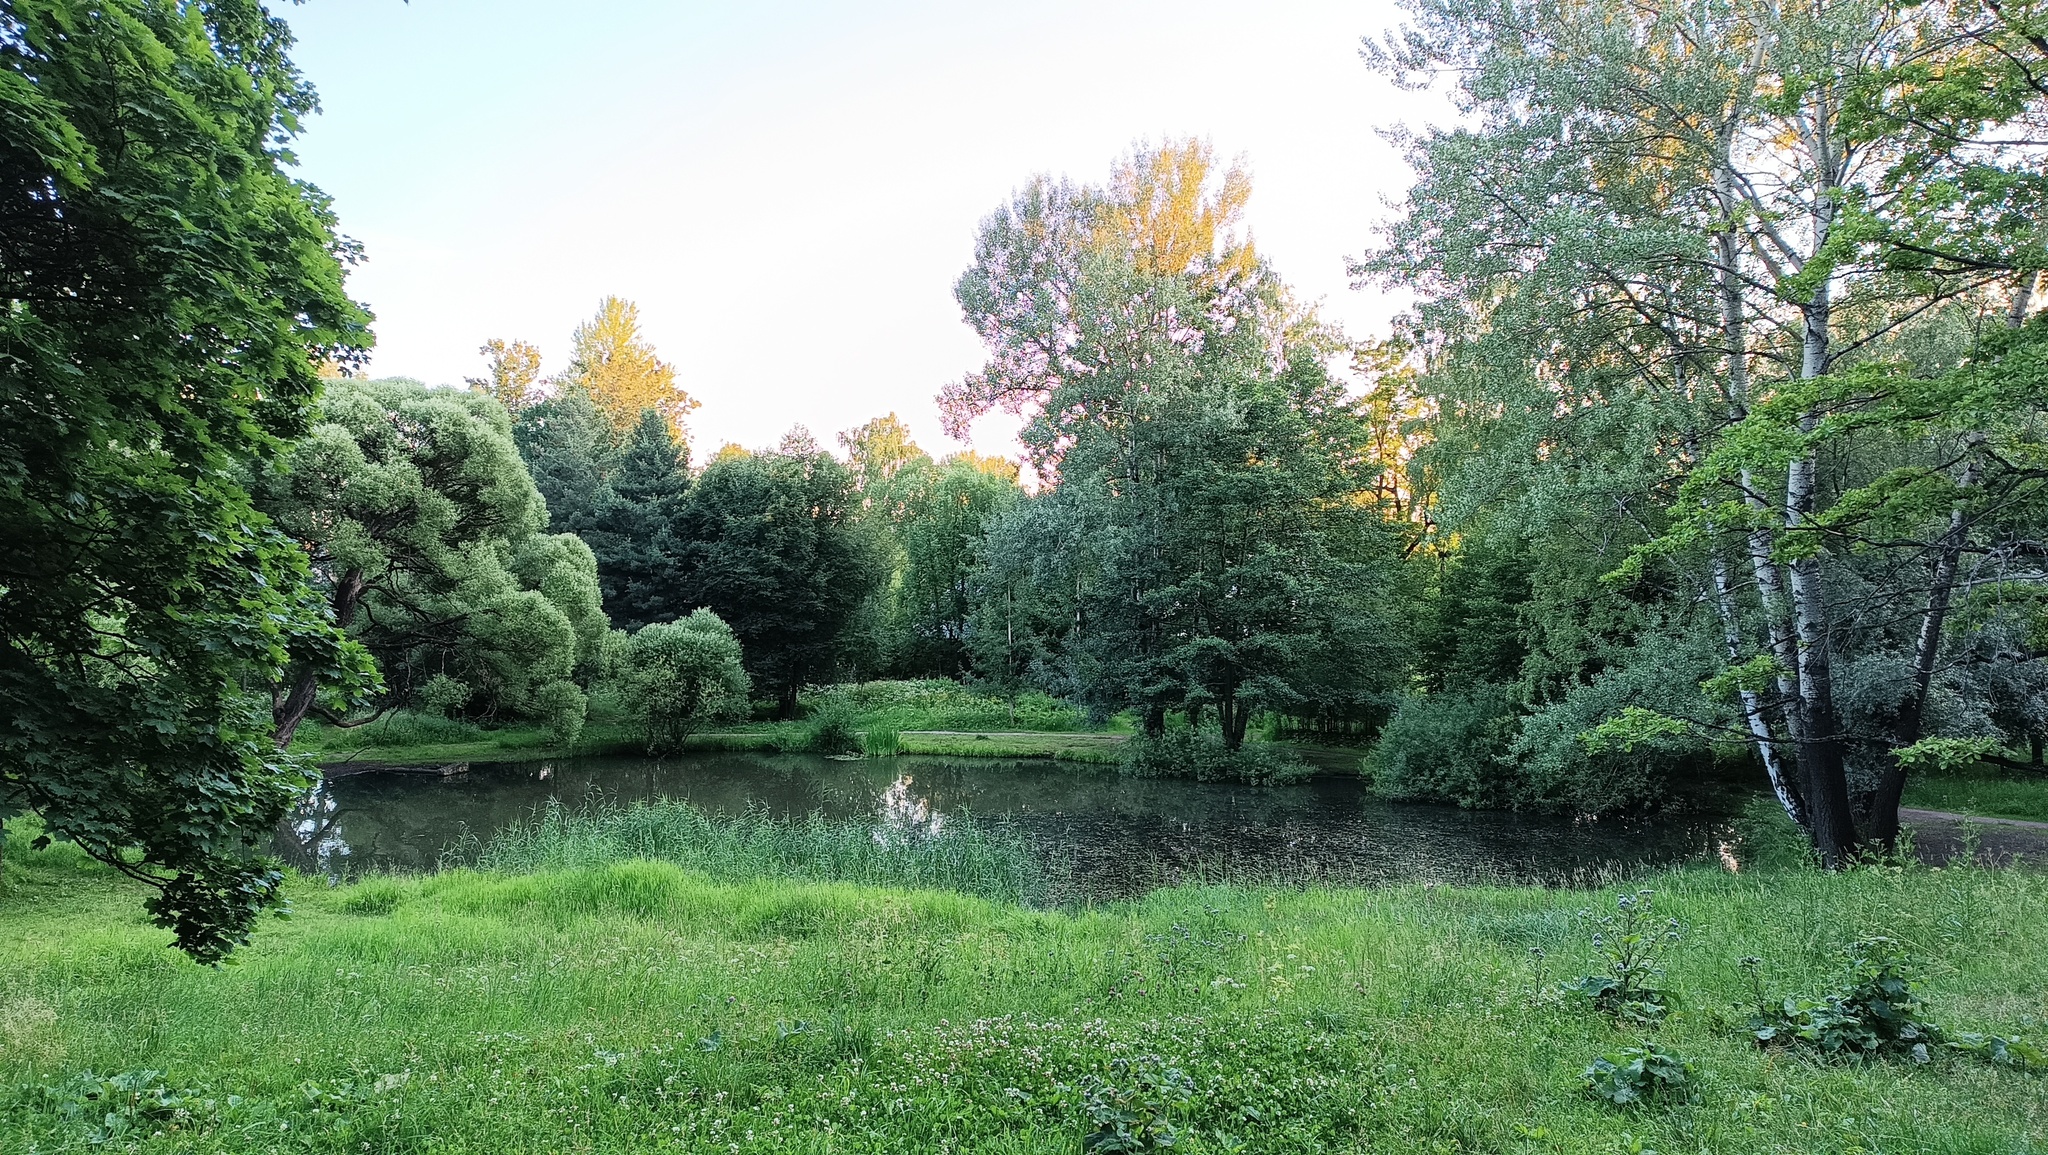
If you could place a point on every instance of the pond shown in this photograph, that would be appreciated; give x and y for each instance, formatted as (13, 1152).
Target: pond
(1117, 836)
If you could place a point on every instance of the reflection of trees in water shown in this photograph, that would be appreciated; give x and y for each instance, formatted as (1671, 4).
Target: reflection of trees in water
(1118, 835)
(311, 836)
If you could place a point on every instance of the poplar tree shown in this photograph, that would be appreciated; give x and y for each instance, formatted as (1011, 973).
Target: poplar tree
(615, 365)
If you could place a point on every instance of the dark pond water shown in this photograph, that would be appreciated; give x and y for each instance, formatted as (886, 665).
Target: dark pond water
(1117, 835)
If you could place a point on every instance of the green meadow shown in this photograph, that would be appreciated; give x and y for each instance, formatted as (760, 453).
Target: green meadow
(635, 983)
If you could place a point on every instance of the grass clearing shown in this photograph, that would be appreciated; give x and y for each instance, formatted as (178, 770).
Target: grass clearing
(1983, 791)
(643, 1005)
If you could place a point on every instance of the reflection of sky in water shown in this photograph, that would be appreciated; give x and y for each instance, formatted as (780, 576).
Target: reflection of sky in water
(900, 813)
(1118, 835)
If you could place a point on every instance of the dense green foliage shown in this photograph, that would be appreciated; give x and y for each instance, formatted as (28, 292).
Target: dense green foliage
(768, 541)
(1733, 437)
(645, 1005)
(682, 675)
(168, 292)
(1209, 547)
(425, 529)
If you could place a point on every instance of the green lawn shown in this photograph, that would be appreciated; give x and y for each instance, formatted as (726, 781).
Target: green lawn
(640, 1006)
(1985, 791)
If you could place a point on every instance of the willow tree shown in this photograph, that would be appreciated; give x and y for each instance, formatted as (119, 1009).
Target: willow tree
(425, 531)
(1692, 225)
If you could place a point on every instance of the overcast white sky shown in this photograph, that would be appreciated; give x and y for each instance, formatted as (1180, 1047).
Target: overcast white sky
(789, 189)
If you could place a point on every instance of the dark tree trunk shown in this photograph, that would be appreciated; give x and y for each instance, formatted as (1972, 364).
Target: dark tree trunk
(2034, 748)
(1883, 824)
(1194, 713)
(786, 700)
(289, 712)
(1155, 721)
(1234, 716)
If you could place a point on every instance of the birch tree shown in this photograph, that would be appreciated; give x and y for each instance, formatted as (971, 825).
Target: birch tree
(1697, 212)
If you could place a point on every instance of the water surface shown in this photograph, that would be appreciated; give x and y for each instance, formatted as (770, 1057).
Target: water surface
(1117, 836)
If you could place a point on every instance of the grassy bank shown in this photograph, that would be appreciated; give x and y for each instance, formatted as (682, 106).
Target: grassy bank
(406, 746)
(646, 1006)
(930, 717)
(1984, 791)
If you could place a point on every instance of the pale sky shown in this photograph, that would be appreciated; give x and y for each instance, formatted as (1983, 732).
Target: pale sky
(789, 189)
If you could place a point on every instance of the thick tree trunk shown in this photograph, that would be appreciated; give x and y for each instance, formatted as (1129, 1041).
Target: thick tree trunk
(786, 700)
(1155, 721)
(289, 713)
(1883, 820)
(1824, 778)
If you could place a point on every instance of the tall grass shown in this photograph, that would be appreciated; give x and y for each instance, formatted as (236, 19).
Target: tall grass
(881, 742)
(939, 704)
(960, 855)
(641, 1006)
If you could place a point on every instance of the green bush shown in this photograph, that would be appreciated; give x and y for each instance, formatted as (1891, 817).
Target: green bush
(832, 730)
(1201, 755)
(1645, 1074)
(441, 695)
(682, 675)
(1448, 747)
(561, 708)
(881, 742)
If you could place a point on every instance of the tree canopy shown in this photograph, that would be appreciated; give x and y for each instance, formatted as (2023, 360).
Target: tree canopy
(168, 292)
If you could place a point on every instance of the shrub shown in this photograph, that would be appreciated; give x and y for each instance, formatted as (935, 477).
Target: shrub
(1557, 768)
(1448, 747)
(1645, 1074)
(681, 675)
(1201, 755)
(881, 742)
(441, 695)
(562, 708)
(832, 731)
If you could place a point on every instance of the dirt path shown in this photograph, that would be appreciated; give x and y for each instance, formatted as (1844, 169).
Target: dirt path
(1940, 836)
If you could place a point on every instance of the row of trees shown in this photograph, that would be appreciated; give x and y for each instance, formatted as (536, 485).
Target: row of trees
(1735, 408)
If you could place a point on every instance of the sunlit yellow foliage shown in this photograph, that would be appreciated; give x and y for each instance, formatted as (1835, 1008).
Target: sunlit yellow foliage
(1173, 213)
(621, 372)
(514, 373)
(998, 467)
(879, 449)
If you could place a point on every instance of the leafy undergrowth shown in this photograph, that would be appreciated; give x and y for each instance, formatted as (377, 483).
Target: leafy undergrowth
(1983, 791)
(638, 1006)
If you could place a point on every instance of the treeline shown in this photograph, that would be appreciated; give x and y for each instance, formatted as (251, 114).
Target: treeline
(1210, 542)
